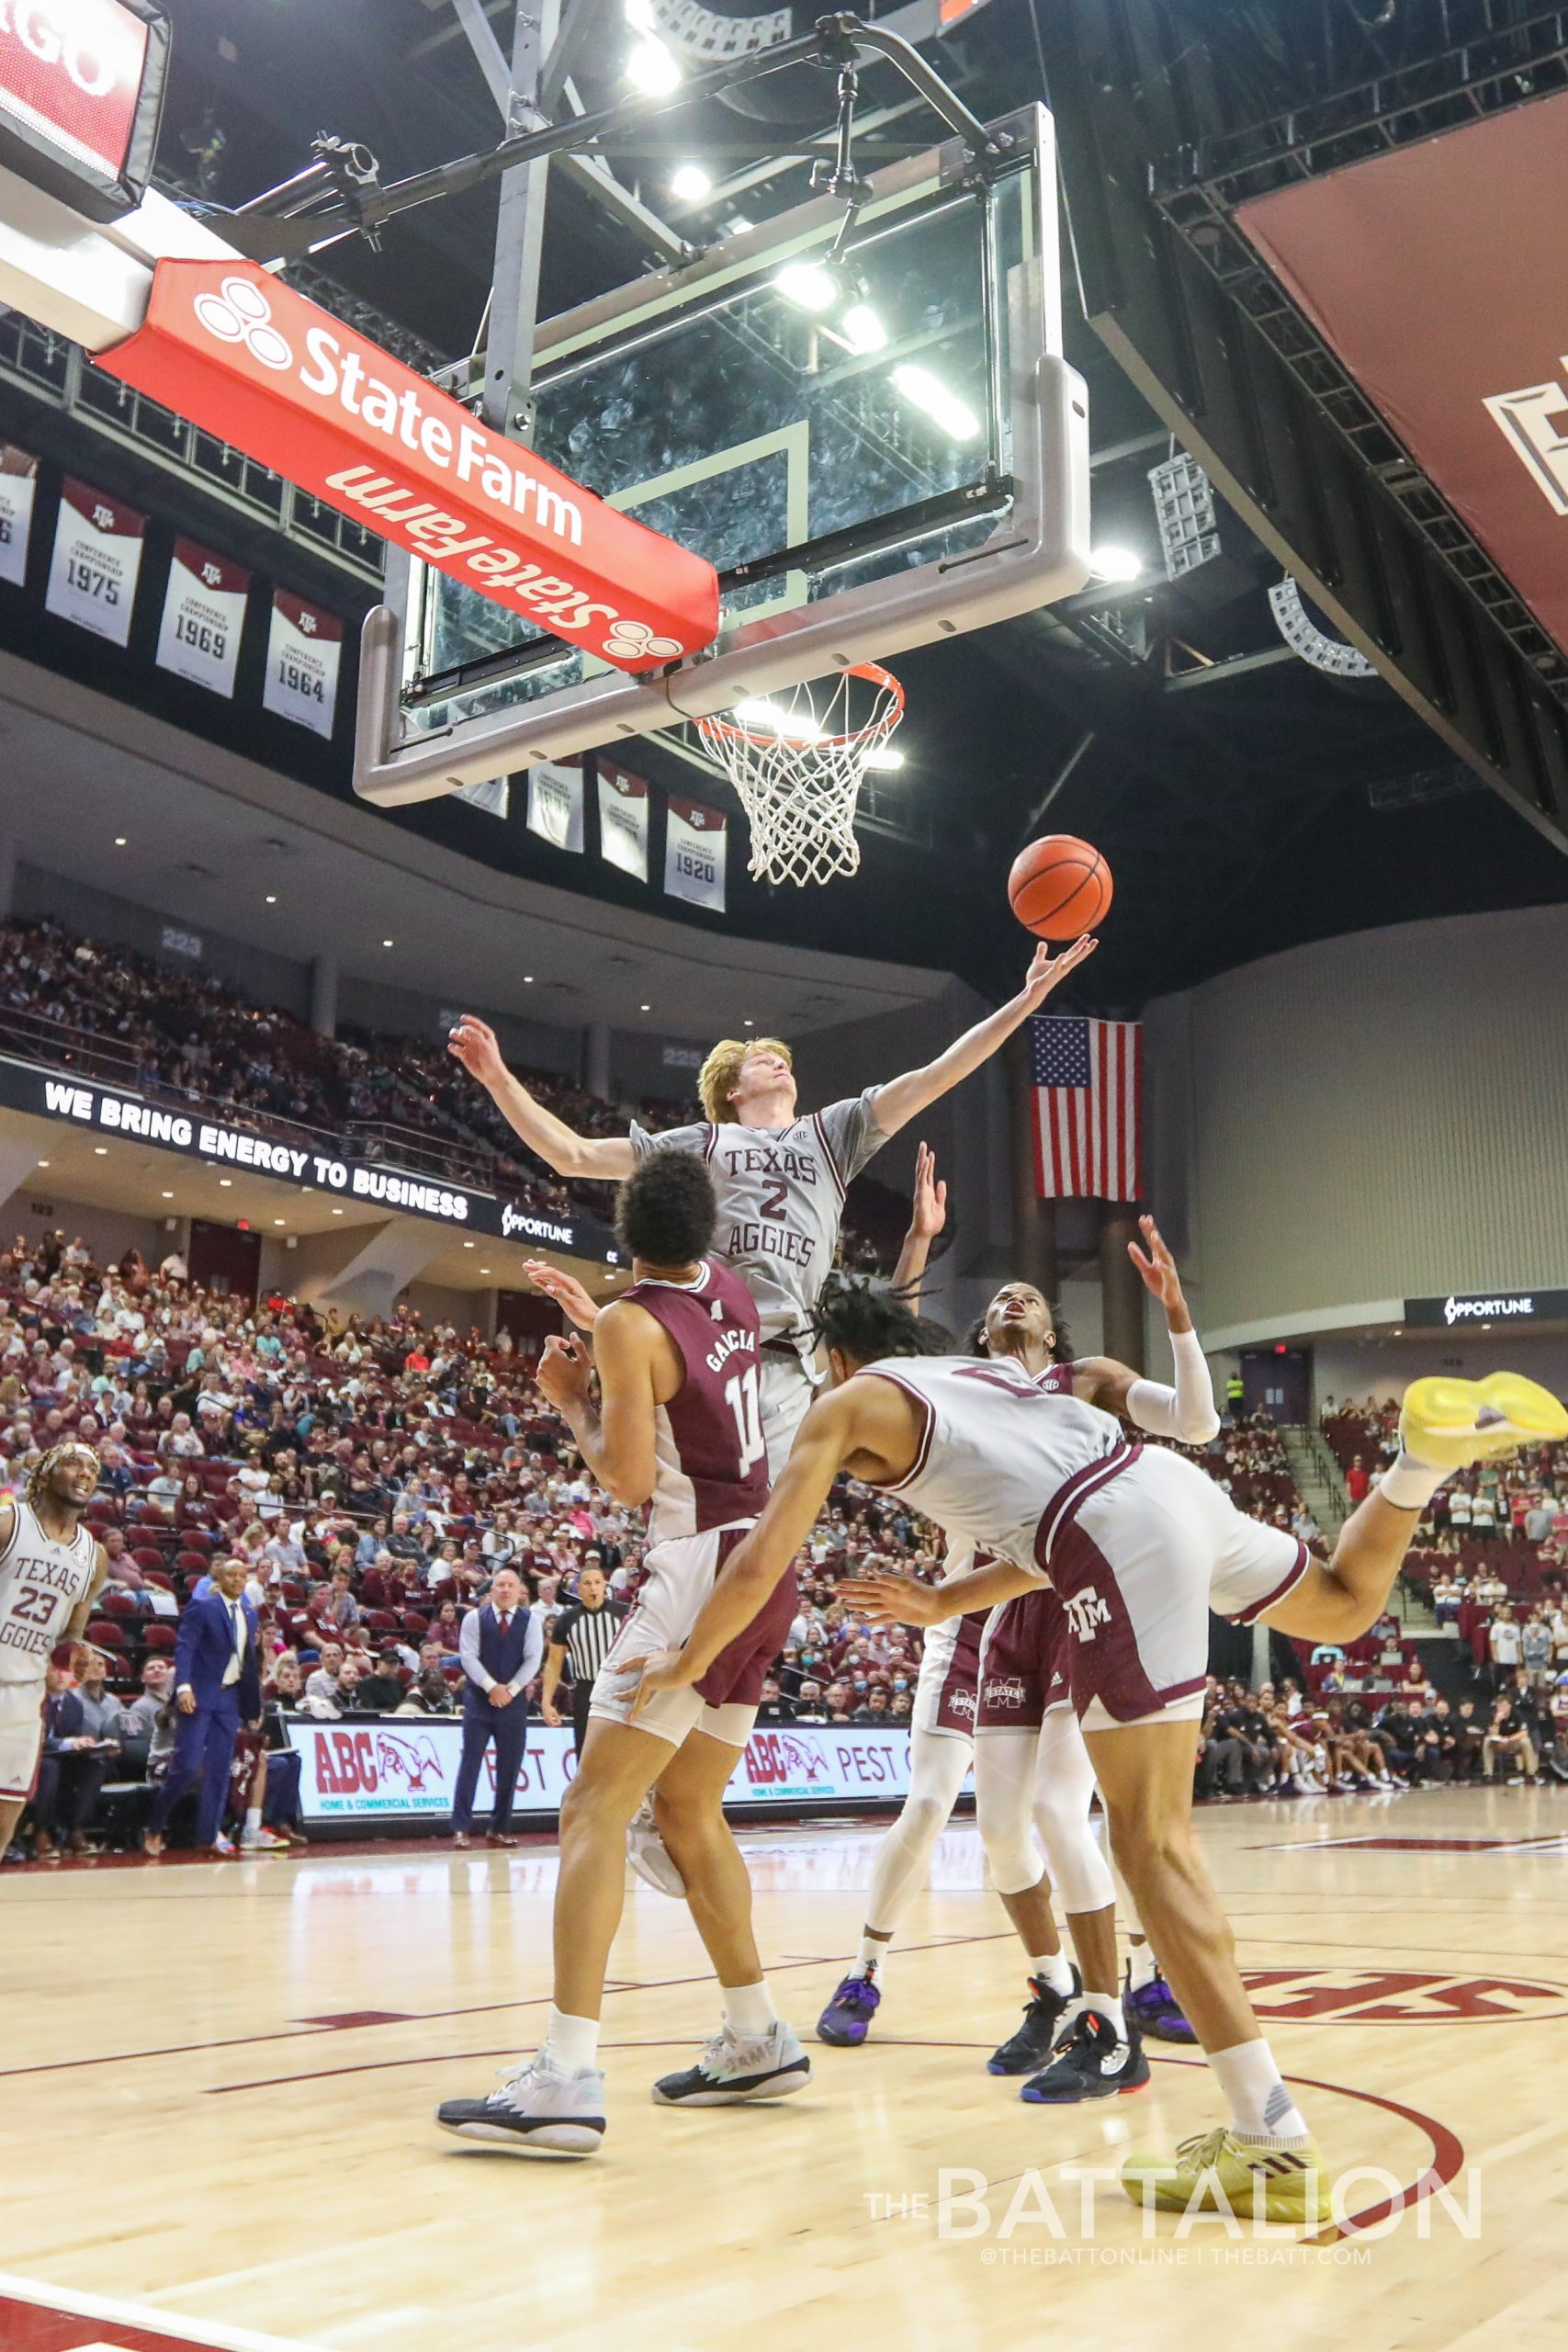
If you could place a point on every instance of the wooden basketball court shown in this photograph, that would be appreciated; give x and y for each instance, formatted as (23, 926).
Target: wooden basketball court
(217, 2085)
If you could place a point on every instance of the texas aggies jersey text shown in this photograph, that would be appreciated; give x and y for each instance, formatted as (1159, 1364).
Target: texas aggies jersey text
(781, 1201)
(712, 1463)
(41, 1582)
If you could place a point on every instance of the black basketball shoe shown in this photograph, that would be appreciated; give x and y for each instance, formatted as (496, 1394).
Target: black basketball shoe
(1089, 2063)
(1031, 2045)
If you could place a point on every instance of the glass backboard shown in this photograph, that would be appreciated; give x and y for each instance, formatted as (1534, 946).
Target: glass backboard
(873, 452)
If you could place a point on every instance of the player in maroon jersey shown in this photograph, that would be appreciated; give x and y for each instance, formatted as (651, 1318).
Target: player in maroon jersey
(677, 1426)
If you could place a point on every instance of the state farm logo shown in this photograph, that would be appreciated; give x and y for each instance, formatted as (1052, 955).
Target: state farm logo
(1398, 1996)
(240, 313)
(632, 639)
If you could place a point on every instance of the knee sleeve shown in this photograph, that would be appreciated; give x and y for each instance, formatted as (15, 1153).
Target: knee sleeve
(1063, 1789)
(1004, 1789)
(936, 1774)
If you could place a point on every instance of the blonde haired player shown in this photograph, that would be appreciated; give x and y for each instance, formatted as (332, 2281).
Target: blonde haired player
(52, 1570)
(1139, 1545)
(779, 1178)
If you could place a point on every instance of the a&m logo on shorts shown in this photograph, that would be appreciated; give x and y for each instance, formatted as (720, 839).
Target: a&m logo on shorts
(1085, 1611)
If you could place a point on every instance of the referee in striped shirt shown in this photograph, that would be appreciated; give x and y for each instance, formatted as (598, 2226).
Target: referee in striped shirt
(583, 1632)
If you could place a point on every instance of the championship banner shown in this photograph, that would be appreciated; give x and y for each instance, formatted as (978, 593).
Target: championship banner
(404, 1768)
(19, 486)
(304, 649)
(246, 357)
(494, 796)
(96, 562)
(623, 819)
(555, 804)
(694, 839)
(204, 612)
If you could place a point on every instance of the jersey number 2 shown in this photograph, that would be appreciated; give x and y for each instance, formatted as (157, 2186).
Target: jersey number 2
(740, 1395)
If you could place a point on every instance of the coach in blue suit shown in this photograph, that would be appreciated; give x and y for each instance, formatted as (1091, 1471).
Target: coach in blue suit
(500, 1647)
(217, 1687)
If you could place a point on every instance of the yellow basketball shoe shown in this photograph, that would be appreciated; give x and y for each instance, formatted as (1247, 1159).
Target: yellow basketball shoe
(1451, 1422)
(1281, 2181)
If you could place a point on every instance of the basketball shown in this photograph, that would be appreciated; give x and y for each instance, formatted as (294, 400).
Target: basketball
(1059, 887)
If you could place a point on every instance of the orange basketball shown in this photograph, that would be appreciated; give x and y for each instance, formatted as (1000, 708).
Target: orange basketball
(1059, 887)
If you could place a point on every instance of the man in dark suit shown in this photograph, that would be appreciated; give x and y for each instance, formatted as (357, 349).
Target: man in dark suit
(500, 1647)
(217, 1687)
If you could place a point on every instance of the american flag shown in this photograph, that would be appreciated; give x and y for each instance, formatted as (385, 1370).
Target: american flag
(1087, 1077)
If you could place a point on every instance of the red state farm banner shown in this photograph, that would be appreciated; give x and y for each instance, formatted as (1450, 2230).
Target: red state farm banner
(247, 358)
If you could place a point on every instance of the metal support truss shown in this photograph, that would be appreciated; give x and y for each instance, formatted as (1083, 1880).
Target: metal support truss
(1233, 369)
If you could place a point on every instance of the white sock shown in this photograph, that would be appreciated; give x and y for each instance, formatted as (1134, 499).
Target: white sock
(1110, 2007)
(872, 1958)
(1054, 1972)
(253, 1818)
(572, 2043)
(1141, 1966)
(1409, 1483)
(749, 2010)
(1261, 2108)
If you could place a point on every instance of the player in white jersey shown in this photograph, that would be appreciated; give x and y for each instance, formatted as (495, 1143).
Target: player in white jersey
(51, 1569)
(780, 1177)
(1139, 1544)
(1033, 1779)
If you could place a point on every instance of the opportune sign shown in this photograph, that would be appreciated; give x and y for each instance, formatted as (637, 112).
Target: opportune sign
(249, 359)
(1473, 1307)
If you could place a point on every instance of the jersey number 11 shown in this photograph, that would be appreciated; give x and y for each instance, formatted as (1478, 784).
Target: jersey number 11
(740, 1395)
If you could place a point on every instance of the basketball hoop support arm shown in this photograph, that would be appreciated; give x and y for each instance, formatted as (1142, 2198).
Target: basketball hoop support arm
(297, 228)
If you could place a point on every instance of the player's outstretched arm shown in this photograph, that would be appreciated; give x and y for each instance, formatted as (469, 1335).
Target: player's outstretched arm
(605, 1158)
(889, 1599)
(1186, 1411)
(903, 1098)
(928, 1215)
(832, 1430)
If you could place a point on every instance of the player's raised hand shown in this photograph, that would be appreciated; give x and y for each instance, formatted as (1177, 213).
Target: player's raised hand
(565, 1289)
(565, 1370)
(929, 1211)
(887, 1599)
(474, 1045)
(1047, 971)
(1156, 1266)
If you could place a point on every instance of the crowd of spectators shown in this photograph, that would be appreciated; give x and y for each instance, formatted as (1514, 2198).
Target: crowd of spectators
(1489, 1553)
(182, 1036)
(1284, 1741)
(372, 1476)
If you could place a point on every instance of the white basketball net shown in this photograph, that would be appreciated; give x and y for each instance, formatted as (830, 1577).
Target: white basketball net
(796, 759)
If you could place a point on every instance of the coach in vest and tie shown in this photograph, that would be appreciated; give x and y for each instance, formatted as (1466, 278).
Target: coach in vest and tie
(217, 1687)
(499, 1647)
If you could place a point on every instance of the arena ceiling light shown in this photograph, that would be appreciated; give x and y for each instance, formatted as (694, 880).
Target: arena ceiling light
(808, 285)
(882, 756)
(690, 184)
(771, 719)
(927, 392)
(653, 69)
(861, 329)
(1115, 565)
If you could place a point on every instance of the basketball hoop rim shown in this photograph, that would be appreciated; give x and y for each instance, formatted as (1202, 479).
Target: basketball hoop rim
(877, 728)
